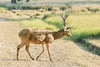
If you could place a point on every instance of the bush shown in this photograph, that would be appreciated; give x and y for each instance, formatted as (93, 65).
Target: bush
(2, 10)
(19, 14)
(42, 10)
(84, 10)
(46, 16)
(38, 14)
(55, 9)
(26, 7)
(63, 8)
(93, 9)
(49, 8)
(12, 7)
(39, 7)
(31, 16)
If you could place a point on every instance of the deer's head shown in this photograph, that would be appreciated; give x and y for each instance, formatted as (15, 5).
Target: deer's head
(66, 29)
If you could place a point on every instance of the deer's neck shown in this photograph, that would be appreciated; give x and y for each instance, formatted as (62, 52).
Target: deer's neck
(58, 34)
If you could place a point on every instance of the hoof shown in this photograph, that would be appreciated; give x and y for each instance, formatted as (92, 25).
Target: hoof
(32, 58)
(37, 57)
(51, 60)
(17, 59)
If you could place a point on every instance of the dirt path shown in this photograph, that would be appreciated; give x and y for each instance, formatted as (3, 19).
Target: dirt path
(8, 42)
(63, 53)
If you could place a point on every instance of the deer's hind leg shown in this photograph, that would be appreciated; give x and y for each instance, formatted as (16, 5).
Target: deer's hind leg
(18, 47)
(27, 49)
(23, 42)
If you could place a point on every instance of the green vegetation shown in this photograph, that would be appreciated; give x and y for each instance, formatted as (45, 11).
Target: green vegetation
(55, 20)
(3, 9)
(85, 25)
(37, 23)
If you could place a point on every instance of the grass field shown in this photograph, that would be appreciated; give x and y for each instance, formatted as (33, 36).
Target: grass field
(85, 25)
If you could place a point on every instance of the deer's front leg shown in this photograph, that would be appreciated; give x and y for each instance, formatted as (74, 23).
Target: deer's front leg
(41, 52)
(47, 45)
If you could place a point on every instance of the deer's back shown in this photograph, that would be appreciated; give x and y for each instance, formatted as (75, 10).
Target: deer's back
(36, 36)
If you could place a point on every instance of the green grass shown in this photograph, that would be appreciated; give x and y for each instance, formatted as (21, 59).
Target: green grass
(37, 23)
(55, 20)
(3, 9)
(85, 25)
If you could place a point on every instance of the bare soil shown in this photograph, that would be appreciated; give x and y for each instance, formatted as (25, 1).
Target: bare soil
(64, 53)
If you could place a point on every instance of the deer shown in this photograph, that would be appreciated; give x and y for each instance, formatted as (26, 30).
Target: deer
(42, 37)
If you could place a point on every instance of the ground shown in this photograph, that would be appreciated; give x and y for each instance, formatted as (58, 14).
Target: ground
(64, 53)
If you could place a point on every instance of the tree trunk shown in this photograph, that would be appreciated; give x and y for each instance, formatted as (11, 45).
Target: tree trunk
(13, 1)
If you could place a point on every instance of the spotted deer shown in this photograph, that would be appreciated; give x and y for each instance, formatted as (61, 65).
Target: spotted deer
(36, 36)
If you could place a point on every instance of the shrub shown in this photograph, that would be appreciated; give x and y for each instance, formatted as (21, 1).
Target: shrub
(93, 9)
(63, 8)
(39, 7)
(2, 10)
(26, 7)
(49, 8)
(12, 7)
(31, 16)
(38, 14)
(42, 10)
(55, 9)
(84, 10)
(46, 16)
(19, 14)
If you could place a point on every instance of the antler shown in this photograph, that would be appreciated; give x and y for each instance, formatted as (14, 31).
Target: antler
(64, 18)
